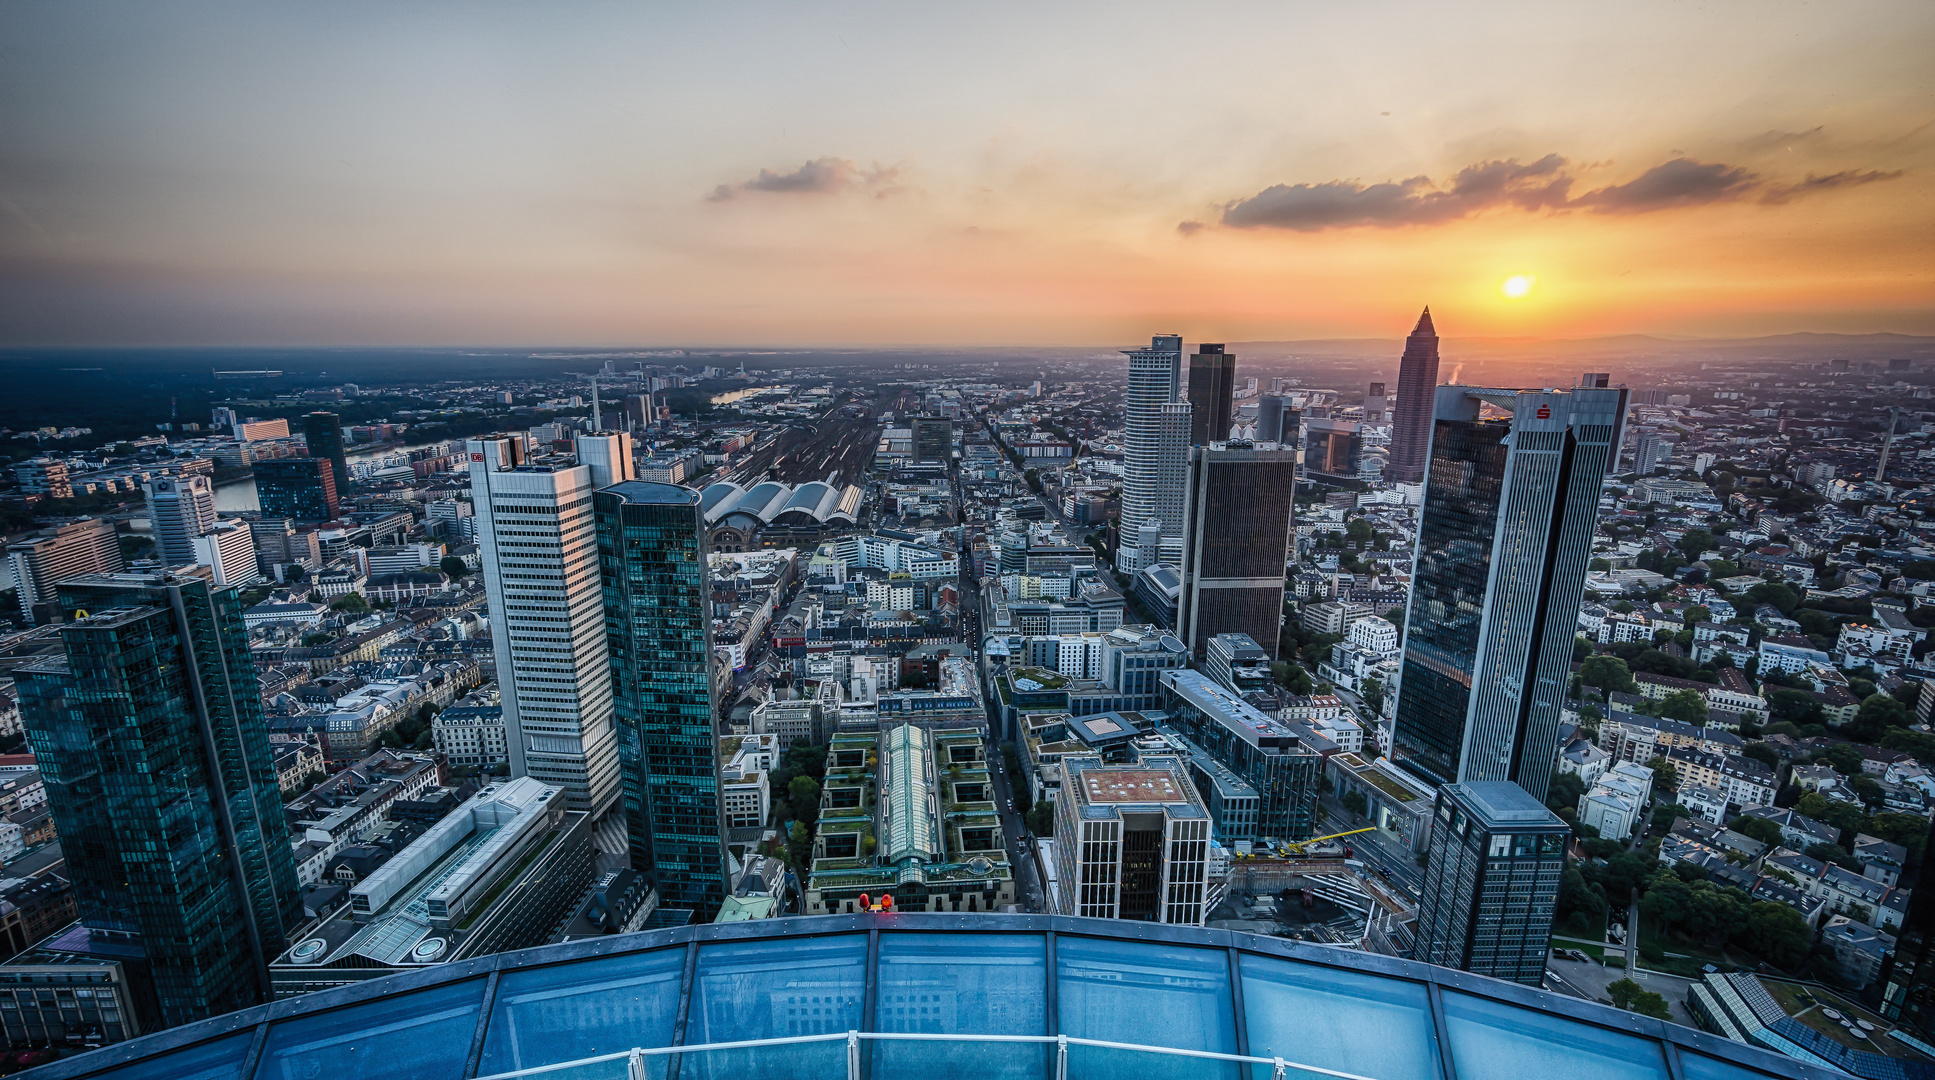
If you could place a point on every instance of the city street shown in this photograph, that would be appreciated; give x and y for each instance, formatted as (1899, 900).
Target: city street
(1377, 849)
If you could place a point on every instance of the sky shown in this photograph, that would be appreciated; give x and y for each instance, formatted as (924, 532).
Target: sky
(999, 174)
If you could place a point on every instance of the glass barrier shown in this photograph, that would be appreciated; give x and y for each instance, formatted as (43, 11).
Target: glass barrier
(417, 1036)
(1320, 1016)
(571, 1011)
(1491, 1040)
(977, 984)
(1150, 994)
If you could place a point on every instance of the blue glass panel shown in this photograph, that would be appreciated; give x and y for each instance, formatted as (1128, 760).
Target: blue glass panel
(1316, 1015)
(1147, 993)
(979, 984)
(421, 1036)
(1701, 1067)
(767, 989)
(571, 1011)
(1492, 1039)
(217, 1060)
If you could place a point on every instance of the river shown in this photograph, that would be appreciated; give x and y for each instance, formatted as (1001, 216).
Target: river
(238, 496)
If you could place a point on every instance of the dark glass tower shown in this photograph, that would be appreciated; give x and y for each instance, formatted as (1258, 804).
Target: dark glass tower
(1907, 982)
(1212, 386)
(1411, 422)
(1491, 882)
(652, 560)
(148, 731)
(302, 488)
(1236, 537)
(322, 431)
(1504, 539)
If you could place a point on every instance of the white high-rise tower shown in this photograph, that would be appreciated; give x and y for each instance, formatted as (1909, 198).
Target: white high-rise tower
(1155, 380)
(180, 508)
(540, 553)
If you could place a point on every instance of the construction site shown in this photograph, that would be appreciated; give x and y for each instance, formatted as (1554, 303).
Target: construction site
(1314, 891)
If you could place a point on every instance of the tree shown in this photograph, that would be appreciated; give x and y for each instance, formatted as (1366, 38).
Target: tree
(1836, 854)
(1908, 830)
(1831, 812)
(351, 603)
(1762, 753)
(1845, 759)
(1632, 997)
(1777, 933)
(1562, 793)
(1354, 802)
(1686, 706)
(1372, 691)
(1779, 594)
(455, 567)
(1041, 819)
(1607, 673)
(1696, 542)
(1793, 706)
(1879, 713)
(1755, 828)
(1359, 532)
(1666, 775)
(803, 792)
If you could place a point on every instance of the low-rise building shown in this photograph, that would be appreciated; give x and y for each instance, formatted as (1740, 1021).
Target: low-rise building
(1617, 801)
(745, 788)
(1744, 781)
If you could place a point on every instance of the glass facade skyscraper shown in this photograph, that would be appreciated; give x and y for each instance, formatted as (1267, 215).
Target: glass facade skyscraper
(1236, 537)
(1504, 539)
(1212, 388)
(322, 432)
(1491, 882)
(303, 488)
(652, 559)
(149, 733)
(1155, 381)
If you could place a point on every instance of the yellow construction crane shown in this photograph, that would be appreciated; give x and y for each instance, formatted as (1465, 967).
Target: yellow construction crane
(1300, 847)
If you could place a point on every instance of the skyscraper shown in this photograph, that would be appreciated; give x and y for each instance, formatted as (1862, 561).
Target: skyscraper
(148, 731)
(180, 508)
(652, 554)
(1504, 538)
(1648, 452)
(1376, 405)
(1277, 420)
(933, 438)
(540, 556)
(1411, 423)
(1212, 385)
(322, 432)
(1491, 882)
(1155, 380)
(1236, 538)
(303, 488)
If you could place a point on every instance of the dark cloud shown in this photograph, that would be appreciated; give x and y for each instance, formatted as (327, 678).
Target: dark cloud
(1545, 184)
(1780, 193)
(1191, 228)
(1680, 182)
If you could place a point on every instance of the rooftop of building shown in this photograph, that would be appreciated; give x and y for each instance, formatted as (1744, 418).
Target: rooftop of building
(1135, 986)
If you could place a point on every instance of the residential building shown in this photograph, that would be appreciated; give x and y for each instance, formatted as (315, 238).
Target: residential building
(1411, 421)
(173, 716)
(1504, 537)
(43, 476)
(1132, 841)
(42, 560)
(228, 548)
(746, 786)
(1236, 539)
(1491, 881)
(1743, 780)
(1616, 802)
(539, 546)
(472, 731)
(652, 546)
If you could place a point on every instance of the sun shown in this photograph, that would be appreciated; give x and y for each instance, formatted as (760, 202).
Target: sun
(1518, 286)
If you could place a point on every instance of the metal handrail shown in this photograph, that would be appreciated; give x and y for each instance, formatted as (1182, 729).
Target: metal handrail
(635, 1057)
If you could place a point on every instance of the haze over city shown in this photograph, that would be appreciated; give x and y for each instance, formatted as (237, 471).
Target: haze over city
(200, 174)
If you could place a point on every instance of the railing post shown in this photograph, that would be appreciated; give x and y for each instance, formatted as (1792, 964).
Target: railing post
(1061, 1057)
(853, 1055)
(1278, 1075)
(635, 1065)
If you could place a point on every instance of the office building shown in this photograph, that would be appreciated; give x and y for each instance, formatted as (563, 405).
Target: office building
(180, 508)
(652, 550)
(322, 433)
(1237, 663)
(933, 438)
(1277, 421)
(1131, 841)
(45, 477)
(261, 430)
(149, 734)
(1908, 977)
(76, 987)
(1333, 450)
(1265, 752)
(1212, 387)
(640, 412)
(1411, 420)
(1236, 542)
(909, 812)
(1155, 378)
(1491, 882)
(539, 550)
(1377, 407)
(1504, 537)
(1649, 451)
(44, 559)
(228, 548)
(298, 488)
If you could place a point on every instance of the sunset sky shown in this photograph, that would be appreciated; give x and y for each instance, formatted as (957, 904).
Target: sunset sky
(1068, 174)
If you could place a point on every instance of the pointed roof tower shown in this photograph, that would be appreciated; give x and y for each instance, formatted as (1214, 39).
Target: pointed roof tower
(1424, 323)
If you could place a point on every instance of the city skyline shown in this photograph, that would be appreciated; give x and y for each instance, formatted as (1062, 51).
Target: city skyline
(300, 179)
